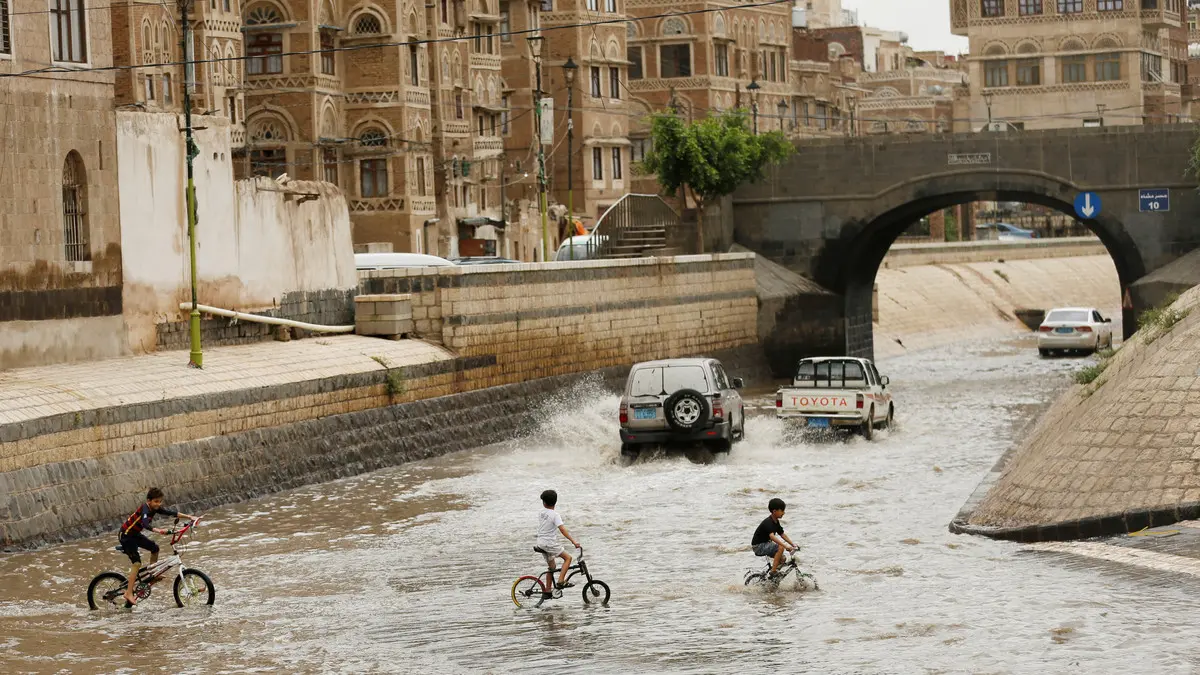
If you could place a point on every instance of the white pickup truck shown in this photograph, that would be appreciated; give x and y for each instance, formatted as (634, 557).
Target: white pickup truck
(837, 391)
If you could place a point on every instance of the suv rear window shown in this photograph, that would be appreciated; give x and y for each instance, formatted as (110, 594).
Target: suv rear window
(659, 380)
(832, 374)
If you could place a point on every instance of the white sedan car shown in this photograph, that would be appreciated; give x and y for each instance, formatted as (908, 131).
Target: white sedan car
(1074, 329)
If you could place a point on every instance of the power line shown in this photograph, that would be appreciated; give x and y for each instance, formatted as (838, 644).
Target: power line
(383, 45)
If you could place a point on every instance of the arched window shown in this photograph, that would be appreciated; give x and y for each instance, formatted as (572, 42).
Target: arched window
(268, 157)
(367, 23)
(263, 14)
(74, 196)
(372, 138)
(674, 26)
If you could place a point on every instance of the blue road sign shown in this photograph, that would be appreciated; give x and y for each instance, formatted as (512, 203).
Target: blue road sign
(1087, 205)
(1154, 200)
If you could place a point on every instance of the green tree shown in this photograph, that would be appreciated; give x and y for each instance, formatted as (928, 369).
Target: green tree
(710, 158)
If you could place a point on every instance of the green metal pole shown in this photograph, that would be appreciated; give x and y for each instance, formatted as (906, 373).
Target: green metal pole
(541, 165)
(570, 173)
(196, 359)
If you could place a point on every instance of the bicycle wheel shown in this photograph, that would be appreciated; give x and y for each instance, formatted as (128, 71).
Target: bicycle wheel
(595, 592)
(194, 588)
(756, 578)
(107, 591)
(527, 592)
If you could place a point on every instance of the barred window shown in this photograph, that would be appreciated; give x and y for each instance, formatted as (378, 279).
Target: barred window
(992, 7)
(330, 159)
(1110, 5)
(74, 201)
(5, 34)
(68, 30)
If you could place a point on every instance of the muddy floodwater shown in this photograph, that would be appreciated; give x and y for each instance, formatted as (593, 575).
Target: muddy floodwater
(409, 569)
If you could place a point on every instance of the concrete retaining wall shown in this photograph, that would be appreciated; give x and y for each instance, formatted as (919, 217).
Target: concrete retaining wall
(1113, 456)
(544, 320)
(908, 255)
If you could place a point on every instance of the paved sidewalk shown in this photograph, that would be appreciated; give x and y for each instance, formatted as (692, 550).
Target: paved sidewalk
(31, 393)
(1164, 552)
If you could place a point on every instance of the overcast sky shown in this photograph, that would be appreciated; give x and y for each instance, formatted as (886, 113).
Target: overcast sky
(927, 22)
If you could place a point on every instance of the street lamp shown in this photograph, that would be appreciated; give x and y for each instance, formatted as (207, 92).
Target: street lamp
(1100, 108)
(569, 69)
(783, 108)
(535, 50)
(753, 88)
(987, 98)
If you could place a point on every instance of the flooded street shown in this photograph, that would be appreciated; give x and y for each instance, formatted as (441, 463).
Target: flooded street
(409, 569)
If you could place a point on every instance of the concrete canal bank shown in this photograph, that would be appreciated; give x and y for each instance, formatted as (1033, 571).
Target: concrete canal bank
(1115, 455)
(79, 442)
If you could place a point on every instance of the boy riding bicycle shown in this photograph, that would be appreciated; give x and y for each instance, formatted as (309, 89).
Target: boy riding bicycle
(132, 539)
(547, 540)
(769, 539)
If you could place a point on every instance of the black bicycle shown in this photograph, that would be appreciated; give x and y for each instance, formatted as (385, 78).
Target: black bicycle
(530, 591)
(764, 577)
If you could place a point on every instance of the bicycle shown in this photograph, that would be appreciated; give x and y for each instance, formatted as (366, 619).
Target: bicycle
(764, 578)
(530, 591)
(192, 587)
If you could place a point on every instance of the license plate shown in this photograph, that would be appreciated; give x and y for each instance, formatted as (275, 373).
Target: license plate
(1064, 330)
(644, 413)
(820, 422)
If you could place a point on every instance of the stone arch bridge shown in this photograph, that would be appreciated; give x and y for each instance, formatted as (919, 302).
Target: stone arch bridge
(832, 211)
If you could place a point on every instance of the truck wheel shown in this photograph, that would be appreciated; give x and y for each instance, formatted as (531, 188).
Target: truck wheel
(887, 423)
(868, 426)
(686, 410)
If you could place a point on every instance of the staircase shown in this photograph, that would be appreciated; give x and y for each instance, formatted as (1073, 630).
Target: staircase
(635, 227)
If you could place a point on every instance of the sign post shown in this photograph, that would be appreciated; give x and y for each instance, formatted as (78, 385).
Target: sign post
(1154, 200)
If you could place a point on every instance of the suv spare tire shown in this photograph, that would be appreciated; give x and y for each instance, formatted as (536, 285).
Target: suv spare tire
(687, 410)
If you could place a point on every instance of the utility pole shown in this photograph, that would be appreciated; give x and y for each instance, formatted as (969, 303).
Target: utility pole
(569, 69)
(535, 48)
(196, 359)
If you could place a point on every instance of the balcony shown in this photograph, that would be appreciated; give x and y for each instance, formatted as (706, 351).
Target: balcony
(1155, 14)
(486, 147)
(417, 97)
(423, 205)
(485, 62)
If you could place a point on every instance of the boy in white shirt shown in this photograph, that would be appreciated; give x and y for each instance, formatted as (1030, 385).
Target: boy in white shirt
(547, 540)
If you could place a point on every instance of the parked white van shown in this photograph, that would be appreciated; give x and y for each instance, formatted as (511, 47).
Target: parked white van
(391, 261)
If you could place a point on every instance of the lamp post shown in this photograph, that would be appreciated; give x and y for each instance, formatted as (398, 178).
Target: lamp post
(196, 358)
(535, 49)
(753, 88)
(1100, 107)
(783, 108)
(987, 98)
(569, 69)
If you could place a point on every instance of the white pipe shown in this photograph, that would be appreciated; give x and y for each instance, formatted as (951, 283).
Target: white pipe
(258, 318)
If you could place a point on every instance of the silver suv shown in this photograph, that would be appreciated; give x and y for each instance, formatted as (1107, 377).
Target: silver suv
(681, 400)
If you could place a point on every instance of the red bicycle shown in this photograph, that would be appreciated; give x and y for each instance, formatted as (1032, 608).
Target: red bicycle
(192, 587)
(530, 591)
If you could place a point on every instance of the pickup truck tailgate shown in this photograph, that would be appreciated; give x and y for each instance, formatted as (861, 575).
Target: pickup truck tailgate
(834, 404)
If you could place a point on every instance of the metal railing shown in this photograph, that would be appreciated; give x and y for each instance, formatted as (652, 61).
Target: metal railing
(632, 214)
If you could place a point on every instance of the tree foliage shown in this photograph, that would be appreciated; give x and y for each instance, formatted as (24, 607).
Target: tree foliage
(713, 156)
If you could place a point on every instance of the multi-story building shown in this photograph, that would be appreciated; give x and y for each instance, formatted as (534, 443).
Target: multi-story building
(60, 240)
(146, 34)
(1039, 64)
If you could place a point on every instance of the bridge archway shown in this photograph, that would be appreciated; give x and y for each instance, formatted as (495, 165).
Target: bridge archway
(848, 265)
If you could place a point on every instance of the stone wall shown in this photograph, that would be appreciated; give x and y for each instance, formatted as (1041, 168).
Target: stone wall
(1112, 456)
(560, 318)
(908, 255)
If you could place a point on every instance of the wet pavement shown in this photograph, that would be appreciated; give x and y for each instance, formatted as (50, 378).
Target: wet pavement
(409, 569)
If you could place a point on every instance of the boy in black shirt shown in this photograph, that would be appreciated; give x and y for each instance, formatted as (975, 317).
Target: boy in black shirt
(131, 537)
(769, 539)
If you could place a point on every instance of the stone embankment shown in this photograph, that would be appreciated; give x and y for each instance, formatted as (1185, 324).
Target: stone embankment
(928, 306)
(79, 443)
(1115, 455)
